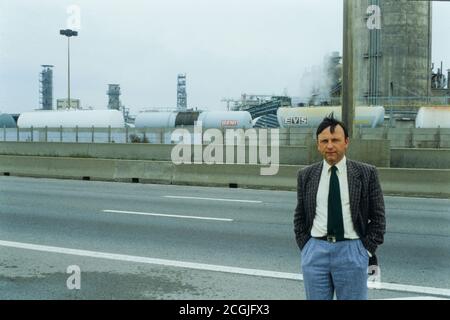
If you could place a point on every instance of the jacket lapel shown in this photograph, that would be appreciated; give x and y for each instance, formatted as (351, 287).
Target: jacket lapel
(313, 186)
(354, 189)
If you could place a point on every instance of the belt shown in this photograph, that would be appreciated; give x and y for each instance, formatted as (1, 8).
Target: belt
(330, 238)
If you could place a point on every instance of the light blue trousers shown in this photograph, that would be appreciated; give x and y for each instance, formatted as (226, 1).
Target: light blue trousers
(339, 267)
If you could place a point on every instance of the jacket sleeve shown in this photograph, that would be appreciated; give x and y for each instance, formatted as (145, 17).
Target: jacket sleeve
(377, 222)
(300, 229)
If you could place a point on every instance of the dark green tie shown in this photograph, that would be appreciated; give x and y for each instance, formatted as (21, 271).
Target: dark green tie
(335, 222)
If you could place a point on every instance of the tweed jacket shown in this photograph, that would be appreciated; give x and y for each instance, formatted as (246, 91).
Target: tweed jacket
(366, 203)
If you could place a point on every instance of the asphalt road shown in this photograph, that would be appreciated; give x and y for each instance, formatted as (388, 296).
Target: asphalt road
(138, 241)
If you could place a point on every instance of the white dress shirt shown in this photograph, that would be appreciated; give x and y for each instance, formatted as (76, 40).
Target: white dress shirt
(319, 228)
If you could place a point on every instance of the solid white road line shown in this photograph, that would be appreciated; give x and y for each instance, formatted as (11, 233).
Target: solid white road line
(209, 267)
(167, 215)
(214, 199)
(155, 261)
(408, 288)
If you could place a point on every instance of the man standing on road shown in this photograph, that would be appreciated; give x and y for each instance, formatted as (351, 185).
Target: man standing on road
(339, 220)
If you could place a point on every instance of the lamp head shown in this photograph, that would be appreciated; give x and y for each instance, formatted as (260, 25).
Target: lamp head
(68, 33)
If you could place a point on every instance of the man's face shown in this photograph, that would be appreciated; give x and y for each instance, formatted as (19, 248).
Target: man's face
(332, 146)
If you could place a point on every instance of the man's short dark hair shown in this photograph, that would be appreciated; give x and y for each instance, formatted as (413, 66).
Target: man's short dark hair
(330, 121)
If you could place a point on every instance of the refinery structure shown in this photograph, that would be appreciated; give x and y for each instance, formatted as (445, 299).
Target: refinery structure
(46, 87)
(394, 79)
(393, 63)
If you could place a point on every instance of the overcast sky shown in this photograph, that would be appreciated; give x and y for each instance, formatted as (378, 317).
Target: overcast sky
(226, 47)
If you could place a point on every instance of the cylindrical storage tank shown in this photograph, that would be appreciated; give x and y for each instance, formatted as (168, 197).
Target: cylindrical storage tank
(433, 117)
(226, 119)
(72, 119)
(155, 120)
(311, 117)
(186, 118)
(369, 117)
(7, 121)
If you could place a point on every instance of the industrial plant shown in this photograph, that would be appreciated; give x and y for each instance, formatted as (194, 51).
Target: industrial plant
(394, 80)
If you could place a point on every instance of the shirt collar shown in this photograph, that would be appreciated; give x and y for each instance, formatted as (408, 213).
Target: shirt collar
(341, 165)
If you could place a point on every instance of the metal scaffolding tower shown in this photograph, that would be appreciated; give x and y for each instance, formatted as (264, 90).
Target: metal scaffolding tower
(46, 87)
(114, 96)
(181, 92)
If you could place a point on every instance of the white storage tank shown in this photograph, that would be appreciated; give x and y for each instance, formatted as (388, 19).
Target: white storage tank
(7, 121)
(433, 117)
(226, 119)
(312, 116)
(209, 119)
(155, 119)
(72, 119)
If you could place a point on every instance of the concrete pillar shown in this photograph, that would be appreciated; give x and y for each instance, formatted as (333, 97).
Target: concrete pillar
(348, 102)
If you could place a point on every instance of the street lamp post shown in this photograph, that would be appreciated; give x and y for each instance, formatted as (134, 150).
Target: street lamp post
(68, 33)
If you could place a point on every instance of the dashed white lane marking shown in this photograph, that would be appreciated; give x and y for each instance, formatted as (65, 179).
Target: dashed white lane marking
(209, 267)
(214, 199)
(167, 215)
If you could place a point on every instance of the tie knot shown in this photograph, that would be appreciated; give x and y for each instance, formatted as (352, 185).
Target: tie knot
(333, 169)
